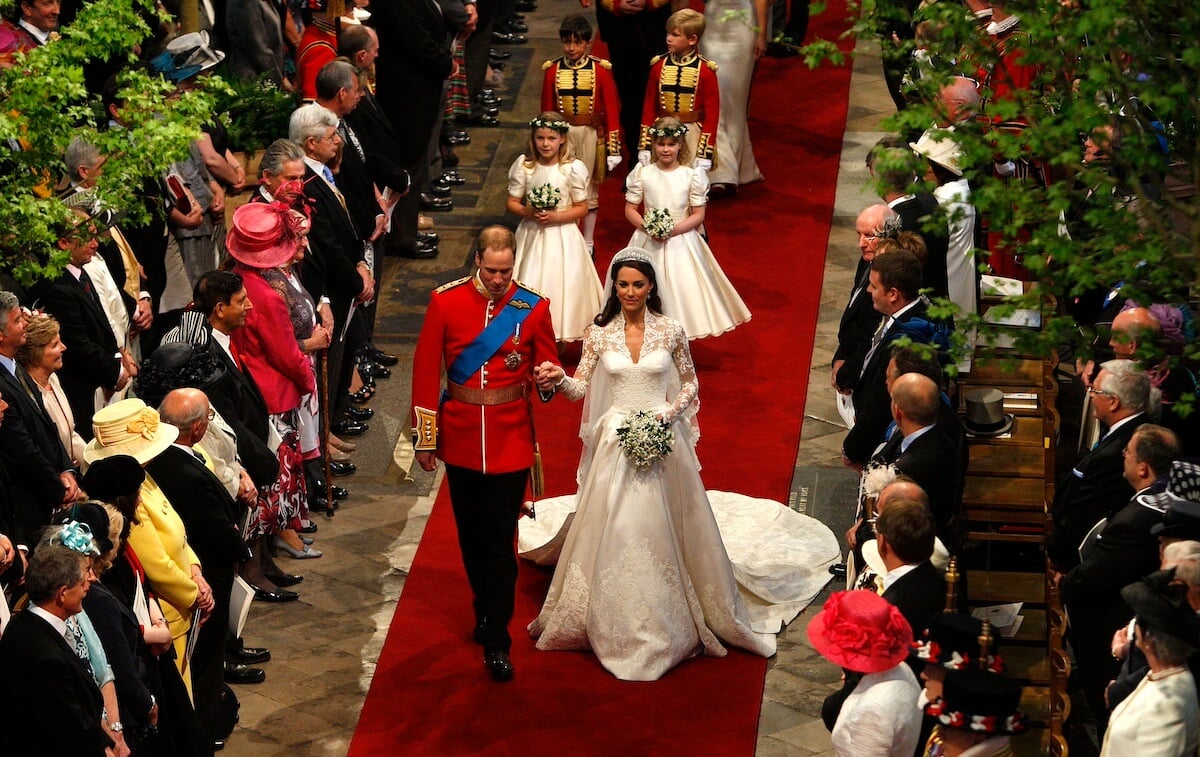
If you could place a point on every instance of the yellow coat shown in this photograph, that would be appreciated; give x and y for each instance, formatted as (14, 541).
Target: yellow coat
(160, 540)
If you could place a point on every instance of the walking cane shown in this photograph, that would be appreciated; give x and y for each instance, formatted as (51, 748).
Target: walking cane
(323, 412)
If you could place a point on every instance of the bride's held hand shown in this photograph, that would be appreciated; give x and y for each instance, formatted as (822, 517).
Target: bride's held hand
(547, 375)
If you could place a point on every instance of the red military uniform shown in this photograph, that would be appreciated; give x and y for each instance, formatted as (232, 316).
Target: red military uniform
(685, 88)
(318, 46)
(586, 95)
(470, 432)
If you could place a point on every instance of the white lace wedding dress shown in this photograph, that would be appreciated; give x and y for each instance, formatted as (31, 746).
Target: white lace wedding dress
(643, 578)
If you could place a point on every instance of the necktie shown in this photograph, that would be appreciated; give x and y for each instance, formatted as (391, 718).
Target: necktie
(86, 281)
(237, 358)
(199, 456)
(876, 340)
(328, 176)
(350, 137)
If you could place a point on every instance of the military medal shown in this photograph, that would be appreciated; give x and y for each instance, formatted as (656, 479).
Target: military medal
(513, 359)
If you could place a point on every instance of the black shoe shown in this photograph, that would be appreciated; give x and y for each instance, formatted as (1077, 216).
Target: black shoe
(486, 111)
(218, 745)
(480, 634)
(287, 579)
(838, 570)
(483, 120)
(419, 252)
(431, 204)
(439, 188)
(507, 38)
(427, 239)
(516, 25)
(496, 54)
(343, 469)
(456, 138)
(452, 178)
(311, 528)
(247, 674)
(363, 395)
(491, 102)
(525, 6)
(339, 493)
(249, 656)
(379, 356)
(449, 158)
(377, 371)
(497, 65)
(319, 504)
(499, 667)
(279, 595)
(359, 413)
(349, 428)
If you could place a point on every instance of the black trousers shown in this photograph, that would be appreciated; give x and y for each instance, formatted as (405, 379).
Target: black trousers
(632, 42)
(486, 508)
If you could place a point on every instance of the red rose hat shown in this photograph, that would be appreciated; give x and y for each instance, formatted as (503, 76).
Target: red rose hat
(860, 631)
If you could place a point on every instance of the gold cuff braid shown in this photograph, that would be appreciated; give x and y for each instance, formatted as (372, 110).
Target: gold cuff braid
(426, 430)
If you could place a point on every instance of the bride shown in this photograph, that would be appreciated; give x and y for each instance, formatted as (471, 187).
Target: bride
(643, 578)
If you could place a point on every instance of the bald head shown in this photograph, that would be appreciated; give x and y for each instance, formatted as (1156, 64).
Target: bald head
(957, 102)
(868, 225)
(1133, 328)
(187, 410)
(916, 399)
(903, 488)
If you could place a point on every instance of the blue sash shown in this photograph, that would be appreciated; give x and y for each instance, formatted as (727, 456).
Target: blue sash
(489, 341)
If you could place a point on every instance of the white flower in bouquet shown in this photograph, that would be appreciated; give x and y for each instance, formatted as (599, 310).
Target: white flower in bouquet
(876, 478)
(545, 197)
(644, 439)
(658, 223)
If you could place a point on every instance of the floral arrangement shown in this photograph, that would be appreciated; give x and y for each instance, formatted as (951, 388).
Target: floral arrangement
(644, 439)
(545, 197)
(557, 124)
(658, 223)
(876, 478)
(662, 132)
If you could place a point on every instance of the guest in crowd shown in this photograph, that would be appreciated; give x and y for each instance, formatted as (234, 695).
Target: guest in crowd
(977, 715)
(42, 357)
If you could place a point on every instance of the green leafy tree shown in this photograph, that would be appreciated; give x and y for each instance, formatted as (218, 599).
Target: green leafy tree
(46, 103)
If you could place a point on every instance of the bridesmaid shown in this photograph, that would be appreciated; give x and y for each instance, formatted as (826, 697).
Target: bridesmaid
(735, 38)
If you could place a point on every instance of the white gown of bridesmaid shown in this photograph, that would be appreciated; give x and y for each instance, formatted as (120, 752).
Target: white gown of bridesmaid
(553, 258)
(729, 42)
(693, 288)
(643, 578)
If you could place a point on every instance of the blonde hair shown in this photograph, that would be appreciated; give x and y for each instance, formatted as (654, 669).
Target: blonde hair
(116, 527)
(671, 124)
(687, 22)
(547, 117)
(40, 331)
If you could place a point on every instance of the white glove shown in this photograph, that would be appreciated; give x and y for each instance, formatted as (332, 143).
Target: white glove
(1007, 168)
(644, 157)
(612, 161)
(703, 164)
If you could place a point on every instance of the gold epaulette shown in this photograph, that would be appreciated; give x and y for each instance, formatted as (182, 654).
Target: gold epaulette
(530, 289)
(656, 59)
(603, 63)
(710, 63)
(548, 64)
(452, 284)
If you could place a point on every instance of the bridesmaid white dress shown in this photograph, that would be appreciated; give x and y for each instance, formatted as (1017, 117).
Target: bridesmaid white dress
(693, 288)
(729, 42)
(553, 258)
(643, 577)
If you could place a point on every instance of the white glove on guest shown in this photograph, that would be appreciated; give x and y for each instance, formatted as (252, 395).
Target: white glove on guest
(1007, 168)
(612, 161)
(703, 164)
(644, 157)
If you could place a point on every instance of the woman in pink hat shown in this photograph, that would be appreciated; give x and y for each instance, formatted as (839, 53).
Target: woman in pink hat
(265, 240)
(864, 633)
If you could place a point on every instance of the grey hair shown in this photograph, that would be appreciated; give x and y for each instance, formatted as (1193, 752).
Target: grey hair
(310, 121)
(277, 153)
(80, 153)
(1128, 383)
(51, 568)
(335, 76)
(1184, 556)
(8, 301)
(1169, 650)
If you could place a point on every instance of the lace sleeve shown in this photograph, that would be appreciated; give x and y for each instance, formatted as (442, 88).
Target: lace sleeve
(686, 402)
(573, 388)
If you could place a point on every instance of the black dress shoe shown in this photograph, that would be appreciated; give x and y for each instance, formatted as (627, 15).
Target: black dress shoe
(419, 252)
(279, 595)
(452, 178)
(483, 120)
(287, 579)
(218, 745)
(364, 394)
(496, 54)
(491, 102)
(439, 188)
(485, 111)
(377, 371)
(349, 428)
(499, 666)
(431, 204)
(450, 158)
(508, 38)
(456, 138)
(339, 493)
(318, 504)
(342, 469)
(838, 570)
(428, 239)
(250, 656)
(311, 528)
(245, 674)
(516, 26)
(359, 413)
(379, 356)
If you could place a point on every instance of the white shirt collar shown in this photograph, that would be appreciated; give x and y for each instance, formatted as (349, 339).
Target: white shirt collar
(222, 339)
(58, 623)
(895, 574)
(41, 36)
(1120, 423)
(318, 168)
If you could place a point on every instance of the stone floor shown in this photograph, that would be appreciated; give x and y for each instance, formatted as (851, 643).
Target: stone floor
(325, 645)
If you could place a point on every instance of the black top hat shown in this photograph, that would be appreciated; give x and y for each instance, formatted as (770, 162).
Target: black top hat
(94, 516)
(112, 477)
(1163, 606)
(952, 641)
(176, 365)
(985, 413)
(979, 702)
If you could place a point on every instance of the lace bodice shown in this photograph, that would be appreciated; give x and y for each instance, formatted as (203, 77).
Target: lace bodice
(662, 380)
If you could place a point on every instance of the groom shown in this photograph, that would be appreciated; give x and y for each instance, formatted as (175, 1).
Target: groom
(489, 332)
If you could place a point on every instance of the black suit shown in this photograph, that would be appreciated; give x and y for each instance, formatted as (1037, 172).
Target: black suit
(237, 398)
(31, 454)
(49, 693)
(210, 516)
(858, 324)
(91, 361)
(1095, 488)
(937, 461)
(919, 595)
(872, 404)
(379, 141)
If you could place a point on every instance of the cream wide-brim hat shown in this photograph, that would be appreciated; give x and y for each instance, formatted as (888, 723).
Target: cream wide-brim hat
(131, 428)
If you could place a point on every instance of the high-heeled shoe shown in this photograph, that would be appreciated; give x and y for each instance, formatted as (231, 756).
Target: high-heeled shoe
(308, 553)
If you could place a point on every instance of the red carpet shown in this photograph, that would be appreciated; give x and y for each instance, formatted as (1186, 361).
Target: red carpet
(430, 693)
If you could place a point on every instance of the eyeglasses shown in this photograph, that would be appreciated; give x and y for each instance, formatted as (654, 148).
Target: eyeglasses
(1094, 391)
(212, 414)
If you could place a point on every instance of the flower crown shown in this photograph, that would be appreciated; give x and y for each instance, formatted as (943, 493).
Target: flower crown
(557, 124)
(674, 132)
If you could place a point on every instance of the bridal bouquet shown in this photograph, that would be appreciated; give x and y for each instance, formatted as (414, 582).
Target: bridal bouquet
(644, 439)
(545, 197)
(658, 223)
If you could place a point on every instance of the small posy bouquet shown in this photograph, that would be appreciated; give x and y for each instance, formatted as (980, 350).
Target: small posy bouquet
(658, 223)
(545, 197)
(644, 439)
